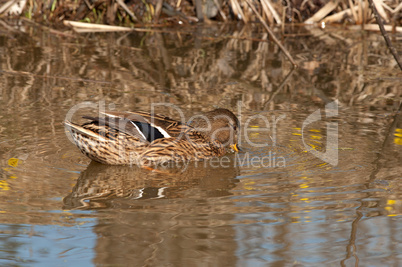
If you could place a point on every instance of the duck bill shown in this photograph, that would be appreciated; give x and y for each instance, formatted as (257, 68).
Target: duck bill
(235, 147)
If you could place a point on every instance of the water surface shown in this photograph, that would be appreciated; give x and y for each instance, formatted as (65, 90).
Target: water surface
(290, 209)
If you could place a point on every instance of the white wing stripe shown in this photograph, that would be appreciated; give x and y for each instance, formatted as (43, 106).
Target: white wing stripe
(165, 134)
(138, 130)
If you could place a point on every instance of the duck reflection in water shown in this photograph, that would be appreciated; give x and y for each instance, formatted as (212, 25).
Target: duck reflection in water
(105, 186)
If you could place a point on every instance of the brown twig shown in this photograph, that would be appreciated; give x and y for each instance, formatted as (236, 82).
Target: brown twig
(282, 85)
(158, 9)
(198, 9)
(385, 35)
(270, 32)
(220, 10)
(123, 5)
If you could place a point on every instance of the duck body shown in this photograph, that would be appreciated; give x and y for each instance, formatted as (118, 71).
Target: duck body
(140, 138)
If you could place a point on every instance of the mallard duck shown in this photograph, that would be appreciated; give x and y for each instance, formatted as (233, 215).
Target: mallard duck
(141, 138)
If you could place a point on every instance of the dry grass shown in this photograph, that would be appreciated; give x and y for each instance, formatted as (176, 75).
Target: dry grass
(158, 12)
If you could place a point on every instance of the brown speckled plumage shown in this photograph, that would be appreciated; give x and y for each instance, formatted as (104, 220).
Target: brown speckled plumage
(125, 138)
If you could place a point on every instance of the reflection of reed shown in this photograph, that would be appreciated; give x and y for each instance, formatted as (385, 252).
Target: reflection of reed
(99, 184)
(139, 66)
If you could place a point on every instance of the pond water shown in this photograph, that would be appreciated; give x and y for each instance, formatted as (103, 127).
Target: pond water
(317, 182)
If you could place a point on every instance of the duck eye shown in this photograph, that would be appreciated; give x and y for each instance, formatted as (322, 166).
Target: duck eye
(233, 126)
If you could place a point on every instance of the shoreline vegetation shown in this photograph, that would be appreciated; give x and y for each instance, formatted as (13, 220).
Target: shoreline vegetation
(150, 15)
(160, 13)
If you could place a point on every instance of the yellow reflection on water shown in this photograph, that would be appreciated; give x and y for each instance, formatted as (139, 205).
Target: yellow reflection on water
(398, 136)
(13, 162)
(4, 185)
